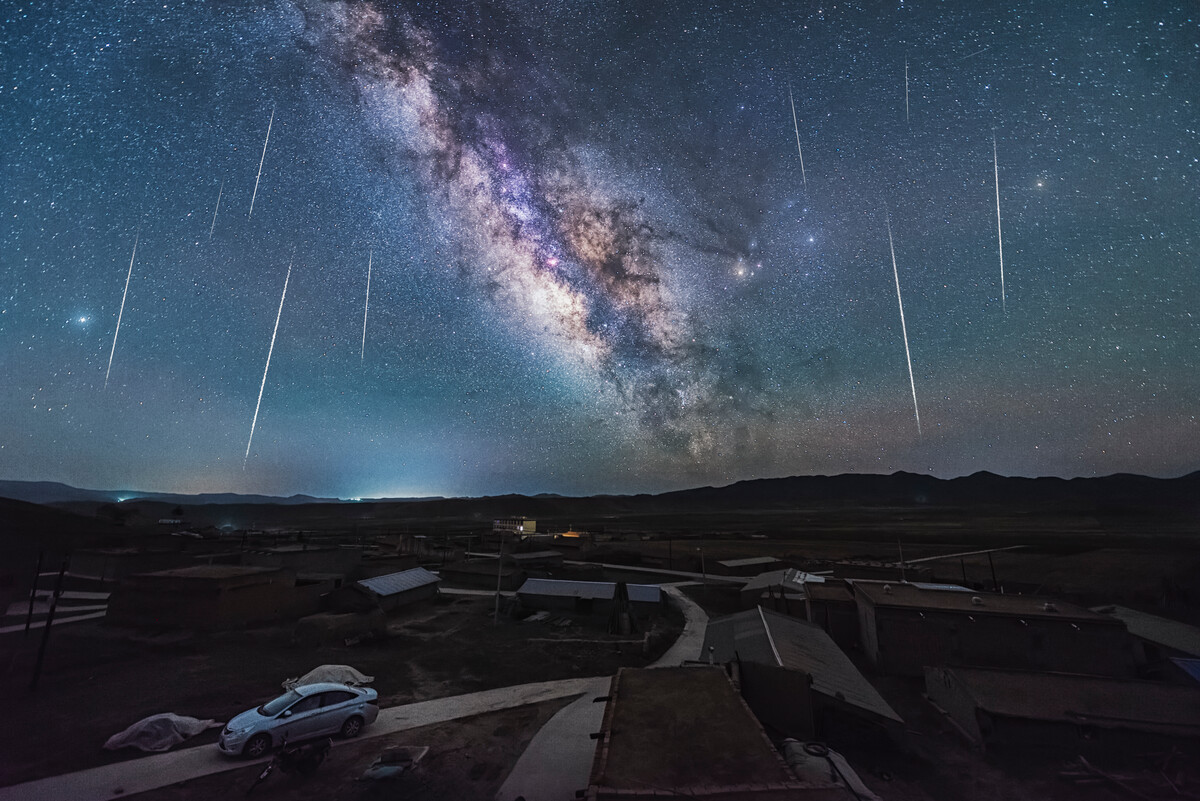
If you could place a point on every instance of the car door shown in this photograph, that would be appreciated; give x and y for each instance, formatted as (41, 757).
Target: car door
(336, 706)
(302, 719)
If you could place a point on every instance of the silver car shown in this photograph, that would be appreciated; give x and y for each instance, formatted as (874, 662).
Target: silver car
(313, 710)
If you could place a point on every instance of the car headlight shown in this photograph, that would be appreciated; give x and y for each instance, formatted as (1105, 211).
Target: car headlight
(238, 730)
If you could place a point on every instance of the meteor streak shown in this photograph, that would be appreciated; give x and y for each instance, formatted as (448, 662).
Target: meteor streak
(999, 237)
(366, 305)
(121, 313)
(903, 328)
(270, 350)
(797, 127)
(906, 90)
(216, 209)
(260, 163)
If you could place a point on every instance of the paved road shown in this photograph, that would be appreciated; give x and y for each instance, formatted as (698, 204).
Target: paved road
(558, 760)
(138, 775)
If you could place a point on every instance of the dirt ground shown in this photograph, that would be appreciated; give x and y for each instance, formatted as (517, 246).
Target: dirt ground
(468, 760)
(98, 680)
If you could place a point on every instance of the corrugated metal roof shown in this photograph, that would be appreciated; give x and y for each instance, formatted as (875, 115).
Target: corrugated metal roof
(405, 580)
(759, 635)
(602, 590)
(1161, 630)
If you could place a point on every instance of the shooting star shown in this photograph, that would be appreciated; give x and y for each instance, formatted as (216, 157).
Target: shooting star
(366, 306)
(121, 313)
(260, 162)
(906, 90)
(212, 227)
(796, 125)
(903, 328)
(270, 350)
(977, 52)
(999, 236)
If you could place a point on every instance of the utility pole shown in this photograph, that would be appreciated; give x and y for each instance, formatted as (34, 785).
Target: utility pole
(37, 668)
(33, 591)
(499, 573)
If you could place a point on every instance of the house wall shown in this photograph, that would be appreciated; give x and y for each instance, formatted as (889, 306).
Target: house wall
(203, 603)
(839, 619)
(401, 600)
(906, 640)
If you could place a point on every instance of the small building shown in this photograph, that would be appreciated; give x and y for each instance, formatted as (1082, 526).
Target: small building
(209, 597)
(518, 527)
(1158, 639)
(305, 558)
(398, 590)
(903, 628)
(579, 540)
(830, 605)
(776, 589)
(536, 560)
(808, 658)
(1064, 715)
(588, 597)
(685, 731)
(750, 566)
(484, 574)
(114, 564)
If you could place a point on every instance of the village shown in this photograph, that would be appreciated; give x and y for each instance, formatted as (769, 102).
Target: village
(604, 665)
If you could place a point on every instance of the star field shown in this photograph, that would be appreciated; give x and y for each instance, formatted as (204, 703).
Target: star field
(596, 265)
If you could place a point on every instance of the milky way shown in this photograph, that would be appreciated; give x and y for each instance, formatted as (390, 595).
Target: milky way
(611, 247)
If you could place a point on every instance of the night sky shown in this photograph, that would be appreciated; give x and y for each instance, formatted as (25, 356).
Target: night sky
(596, 263)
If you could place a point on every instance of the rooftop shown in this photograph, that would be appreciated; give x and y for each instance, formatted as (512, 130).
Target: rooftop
(830, 591)
(914, 597)
(1103, 702)
(531, 556)
(393, 583)
(210, 572)
(672, 729)
(760, 635)
(773, 578)
(753, 560)
(602, 590)
(1160, 630)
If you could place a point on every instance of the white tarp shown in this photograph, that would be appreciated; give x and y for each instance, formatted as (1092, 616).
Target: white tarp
(342, 674)
(159, 732)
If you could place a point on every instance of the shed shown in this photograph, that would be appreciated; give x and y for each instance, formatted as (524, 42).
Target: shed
(397, 590)
(587, 597)
(831, 606)
(207, 597)
(764, 637)
(1059, 714)
(535, 559)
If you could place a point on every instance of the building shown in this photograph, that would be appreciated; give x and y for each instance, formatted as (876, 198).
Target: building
(809, 658)
(518, 527)
(1065, 715)
(678, 732)
(588, 597)
(904, 627)
(398, 590)
(484, 574)
(781, 590)
(304, 558)
(750, 566)
(212, 597)
(1158, 640)
(830, 605)
(535, 560)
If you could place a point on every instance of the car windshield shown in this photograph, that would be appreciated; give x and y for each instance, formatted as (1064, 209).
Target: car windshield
(273, 708)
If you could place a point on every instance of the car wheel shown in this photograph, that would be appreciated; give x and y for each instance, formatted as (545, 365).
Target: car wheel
(257, 745)
(352, 727)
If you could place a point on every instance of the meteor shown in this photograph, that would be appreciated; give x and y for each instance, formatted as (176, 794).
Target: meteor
(906, 90)
(903, 328)
(260, 162)
(270, 350)
(216, 209)
(366, 305)
(796, 125)
(999, 237)
(121, 313)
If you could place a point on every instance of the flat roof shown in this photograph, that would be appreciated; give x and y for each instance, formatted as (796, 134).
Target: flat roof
(1087, 700)
(773, 578)
(760, 635)
(830, 591)
(402, 581)
(601, 590)
(212, 571)
(531, 555)
(1160, 630)
(747, 562)
(674, 729)
(910, 596)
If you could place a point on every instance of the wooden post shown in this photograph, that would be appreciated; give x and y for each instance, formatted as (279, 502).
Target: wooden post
(37, 668)
(33, 591)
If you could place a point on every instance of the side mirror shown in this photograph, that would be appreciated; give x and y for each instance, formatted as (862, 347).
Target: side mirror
(287, 713)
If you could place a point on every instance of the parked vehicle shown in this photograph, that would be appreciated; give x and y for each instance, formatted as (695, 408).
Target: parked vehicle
(313, 710)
